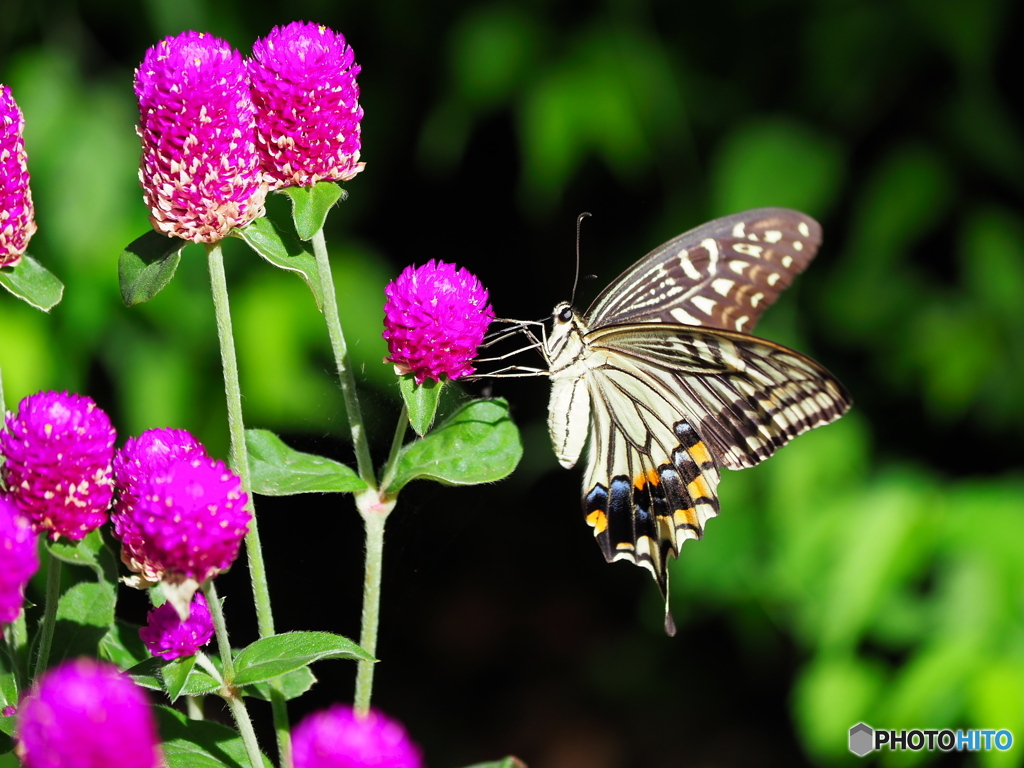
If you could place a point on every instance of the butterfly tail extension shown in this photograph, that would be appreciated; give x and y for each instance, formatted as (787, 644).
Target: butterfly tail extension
(645, 514)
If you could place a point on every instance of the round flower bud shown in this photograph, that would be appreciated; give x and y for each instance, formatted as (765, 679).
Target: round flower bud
(200, 172)
(190, 517)
(18, 559)
(133, 464)
(435, 318)
(170, 637)
(85, 713)
(58, 450)
(339, 738)
(17, 216)
(307, 105)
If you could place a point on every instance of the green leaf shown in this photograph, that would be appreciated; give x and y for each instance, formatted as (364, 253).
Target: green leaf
(479, 443)
(292, 685)
(272, 657)
(123, 646)
(146, 674)
(508, 762)
(278, 470)
(85, 614)
(200, 743)
(147, 265)
(310, 206)
(33, 284)
(175, 674)
(421, 401)
(283, 251)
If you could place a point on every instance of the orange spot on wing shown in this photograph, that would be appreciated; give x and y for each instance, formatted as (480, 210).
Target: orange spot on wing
(598, 520)
(699, 452)
(650, 476)
(699, 487)
(685, 517)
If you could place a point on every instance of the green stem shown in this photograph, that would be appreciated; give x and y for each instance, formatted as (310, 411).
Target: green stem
(231, 696)
(374, 512)
(245, 729)
(364, 464)
(53, 568)
(16, 639)
(396, 445)
(239, 460)
(239, 456)
(3, 407)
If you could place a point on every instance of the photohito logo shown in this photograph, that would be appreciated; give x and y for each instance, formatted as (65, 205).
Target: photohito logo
(865, 739)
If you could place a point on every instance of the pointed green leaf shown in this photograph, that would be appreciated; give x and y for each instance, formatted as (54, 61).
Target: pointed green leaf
(278, 470)
(420, 401)
(146, 674)
(310, 206)
(508, 762)
(91, 552)
(284, 251)
(147, 265)
(200, 743)
(272, 657)
(479, 443)
(123, 646)
(31, 282)
(292, 685)
(175, 674)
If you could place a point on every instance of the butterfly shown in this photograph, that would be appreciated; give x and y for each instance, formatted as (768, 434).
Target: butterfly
(662, 383)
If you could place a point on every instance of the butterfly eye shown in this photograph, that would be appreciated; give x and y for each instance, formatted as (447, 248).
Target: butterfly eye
(565, 315)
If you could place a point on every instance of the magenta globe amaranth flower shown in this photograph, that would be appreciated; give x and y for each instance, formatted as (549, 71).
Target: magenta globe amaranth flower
(169, 636)
(435, 318)
(307, 105)
(339, 738)
(134, 463)
(200, 171)
(190, 517)
(18, 559)
(58, 450)
(17, 216)
(86, 714)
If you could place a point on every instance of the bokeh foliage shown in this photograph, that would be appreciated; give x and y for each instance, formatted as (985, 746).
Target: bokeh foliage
(878, 562)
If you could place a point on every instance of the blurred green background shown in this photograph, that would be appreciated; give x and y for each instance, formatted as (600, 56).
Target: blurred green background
(872, 571)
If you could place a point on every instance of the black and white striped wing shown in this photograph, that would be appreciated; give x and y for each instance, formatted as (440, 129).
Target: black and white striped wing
(670, 405)
(723, 274)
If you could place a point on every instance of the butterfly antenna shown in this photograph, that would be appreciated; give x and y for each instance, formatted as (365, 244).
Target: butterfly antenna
(576, 279)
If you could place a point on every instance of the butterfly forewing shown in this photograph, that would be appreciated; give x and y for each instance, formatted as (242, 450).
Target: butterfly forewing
(723, 274)
(745, 396)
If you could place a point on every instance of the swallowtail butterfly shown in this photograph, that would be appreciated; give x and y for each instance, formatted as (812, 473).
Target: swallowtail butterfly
(662, 375)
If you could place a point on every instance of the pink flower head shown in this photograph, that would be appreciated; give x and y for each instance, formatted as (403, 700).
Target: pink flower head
(339, 738)
(58, 449)
(133, 465)
(168, 636)
(17, 216)
(435, 318)
(307, 105)
(200, 171)
(18, 559)
(85, 713)
(190, 516)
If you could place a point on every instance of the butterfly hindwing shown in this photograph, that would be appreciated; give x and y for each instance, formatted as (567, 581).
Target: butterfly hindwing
(651, 480)
(723, 274)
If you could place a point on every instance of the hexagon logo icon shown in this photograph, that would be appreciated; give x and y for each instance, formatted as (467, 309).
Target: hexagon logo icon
(861, 739)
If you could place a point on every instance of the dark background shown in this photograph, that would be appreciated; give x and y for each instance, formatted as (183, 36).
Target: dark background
(872, 571)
